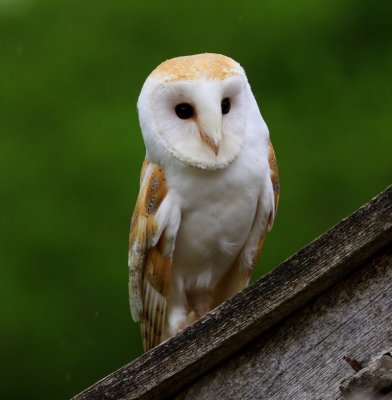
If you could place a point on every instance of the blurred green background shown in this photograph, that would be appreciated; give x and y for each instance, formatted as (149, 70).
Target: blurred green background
(71, 150)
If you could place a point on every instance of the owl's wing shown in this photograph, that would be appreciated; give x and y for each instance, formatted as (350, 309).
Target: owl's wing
(254, 245)
(275, 183)
(151, 244)
(237, 278)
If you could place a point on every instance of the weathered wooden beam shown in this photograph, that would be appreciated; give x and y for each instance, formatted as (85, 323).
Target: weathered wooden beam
(304, 356)
(173, 365)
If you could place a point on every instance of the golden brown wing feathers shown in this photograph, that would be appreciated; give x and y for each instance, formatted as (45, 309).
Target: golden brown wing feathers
(274, 175)
(149, 275)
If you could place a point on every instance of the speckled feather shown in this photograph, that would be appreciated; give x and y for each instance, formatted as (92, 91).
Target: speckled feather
(149, 269)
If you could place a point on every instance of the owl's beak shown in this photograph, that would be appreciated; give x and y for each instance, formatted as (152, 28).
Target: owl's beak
(210, 142)
(211, 132)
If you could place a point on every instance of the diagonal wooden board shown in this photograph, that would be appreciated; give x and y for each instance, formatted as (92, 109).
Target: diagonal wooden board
(175, 364)
(302, 357)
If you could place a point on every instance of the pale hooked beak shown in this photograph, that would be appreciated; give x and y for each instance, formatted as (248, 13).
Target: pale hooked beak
(210, 128)
(208, 140)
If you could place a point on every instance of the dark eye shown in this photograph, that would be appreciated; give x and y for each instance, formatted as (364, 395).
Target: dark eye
(184, 110)
(225, 105)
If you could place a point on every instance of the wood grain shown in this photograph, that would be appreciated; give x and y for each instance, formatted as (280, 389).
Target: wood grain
(172, 366)
(302, 357)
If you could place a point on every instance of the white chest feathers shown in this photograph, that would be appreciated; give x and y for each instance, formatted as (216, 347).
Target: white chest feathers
(218, 210)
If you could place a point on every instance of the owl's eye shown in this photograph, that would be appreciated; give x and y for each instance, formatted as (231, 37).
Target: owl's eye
(225, 105)
(184, 110)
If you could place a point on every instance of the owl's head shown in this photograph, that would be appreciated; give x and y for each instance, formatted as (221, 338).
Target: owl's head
(195, 109)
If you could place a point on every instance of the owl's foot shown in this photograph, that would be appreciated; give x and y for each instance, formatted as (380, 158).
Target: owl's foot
(192, 317)
(181, 327)
(202, 309)
(201, 303)
(177, 321)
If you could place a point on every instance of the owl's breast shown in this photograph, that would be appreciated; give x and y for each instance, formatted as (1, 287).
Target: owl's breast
(217, 212)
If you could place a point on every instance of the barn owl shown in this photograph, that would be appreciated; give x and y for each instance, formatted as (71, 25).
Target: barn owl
(209, 191)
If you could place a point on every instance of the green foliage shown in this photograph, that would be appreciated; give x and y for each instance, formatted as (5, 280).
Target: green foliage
(71, 150)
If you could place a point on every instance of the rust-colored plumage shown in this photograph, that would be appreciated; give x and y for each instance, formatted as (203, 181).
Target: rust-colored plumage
(149, 278)
(210, 66)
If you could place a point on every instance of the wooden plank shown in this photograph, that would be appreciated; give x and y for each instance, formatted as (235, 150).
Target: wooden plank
(302, 357)
(173, 365)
